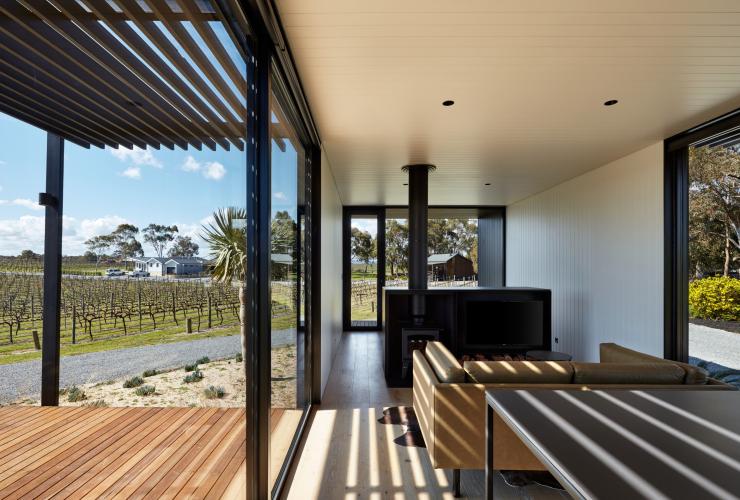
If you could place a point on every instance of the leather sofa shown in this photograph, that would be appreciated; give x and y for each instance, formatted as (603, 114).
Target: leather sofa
(450, 405)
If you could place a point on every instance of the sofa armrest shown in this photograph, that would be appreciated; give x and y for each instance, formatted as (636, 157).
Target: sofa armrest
(425, 383)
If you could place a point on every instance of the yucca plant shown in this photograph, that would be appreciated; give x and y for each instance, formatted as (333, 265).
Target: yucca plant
(227, 237)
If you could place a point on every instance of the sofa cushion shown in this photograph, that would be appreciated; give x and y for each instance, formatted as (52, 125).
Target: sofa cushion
(614, 353)
(519, 372)
(444, 364)
(627, 373)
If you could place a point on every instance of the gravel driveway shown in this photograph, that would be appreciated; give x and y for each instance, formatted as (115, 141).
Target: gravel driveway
(717, 346)
(24, 379)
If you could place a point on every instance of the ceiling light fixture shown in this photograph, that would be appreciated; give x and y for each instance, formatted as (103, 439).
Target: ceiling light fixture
(448, 103)
(611, 102)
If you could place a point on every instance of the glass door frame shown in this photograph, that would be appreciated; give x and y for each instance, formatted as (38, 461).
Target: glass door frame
(676, 228)
(348, 214)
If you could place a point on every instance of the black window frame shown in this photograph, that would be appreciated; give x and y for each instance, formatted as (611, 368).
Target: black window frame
(350, 211)
(676, 227)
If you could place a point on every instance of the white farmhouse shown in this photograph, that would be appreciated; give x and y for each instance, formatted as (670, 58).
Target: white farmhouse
(169, 266)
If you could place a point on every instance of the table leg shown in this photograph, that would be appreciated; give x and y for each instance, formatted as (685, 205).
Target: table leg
(489, 452)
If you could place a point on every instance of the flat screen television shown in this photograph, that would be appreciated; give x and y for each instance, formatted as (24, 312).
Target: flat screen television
(504, 323)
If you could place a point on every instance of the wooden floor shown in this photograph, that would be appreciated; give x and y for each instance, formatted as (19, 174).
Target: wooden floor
(348, 454)
(85, 452)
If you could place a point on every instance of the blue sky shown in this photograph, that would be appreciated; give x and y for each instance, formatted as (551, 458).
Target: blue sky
(105, 187)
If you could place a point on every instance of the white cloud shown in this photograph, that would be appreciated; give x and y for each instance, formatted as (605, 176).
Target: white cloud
(132, 173)
(138, 156)
(212, 170)
(190, 164)
(280, 196)
(76, 231)
(23, 202)
(26, 203)
(26, 232)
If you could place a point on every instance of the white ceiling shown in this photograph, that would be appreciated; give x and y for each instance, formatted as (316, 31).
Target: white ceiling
(528, 77)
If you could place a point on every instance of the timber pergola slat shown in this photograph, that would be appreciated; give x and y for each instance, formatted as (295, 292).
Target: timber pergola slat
(111, 67)
(105, 39)
(146, 73)
(66, 62)
(37, 84)
(171, 53)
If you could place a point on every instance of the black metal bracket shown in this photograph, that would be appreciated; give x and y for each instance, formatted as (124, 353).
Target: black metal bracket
(48, 200)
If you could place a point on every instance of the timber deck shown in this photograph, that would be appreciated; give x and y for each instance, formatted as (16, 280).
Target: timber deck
(86, 452)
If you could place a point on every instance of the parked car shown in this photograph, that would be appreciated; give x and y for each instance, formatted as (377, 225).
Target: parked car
(138, 274)
(114, 272)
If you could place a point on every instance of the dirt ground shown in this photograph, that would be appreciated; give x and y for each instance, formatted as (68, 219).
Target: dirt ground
(172, 391)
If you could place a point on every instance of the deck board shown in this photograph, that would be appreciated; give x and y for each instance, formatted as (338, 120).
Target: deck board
(84, 452)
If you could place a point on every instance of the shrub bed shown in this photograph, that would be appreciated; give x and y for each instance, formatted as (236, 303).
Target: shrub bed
(715, 298)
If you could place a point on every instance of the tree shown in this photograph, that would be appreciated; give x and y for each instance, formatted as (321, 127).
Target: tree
(397, 246)
(159, 237)
(227, 237)
(125, 242)
(99, 245)
(29, 255)
(184, 247)
(452, 236)
(714, 208)
(283, 230)
(363, 246)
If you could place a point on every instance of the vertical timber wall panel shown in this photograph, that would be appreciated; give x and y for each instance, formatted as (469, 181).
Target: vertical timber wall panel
(597, 242)
(491, 248)
(331, 269)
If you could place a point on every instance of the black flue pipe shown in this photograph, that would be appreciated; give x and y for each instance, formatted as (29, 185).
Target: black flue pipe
(418, 223)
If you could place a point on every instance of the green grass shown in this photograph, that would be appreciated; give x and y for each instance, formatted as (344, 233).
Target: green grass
(191, 367)
(167, 336)
(149, 373)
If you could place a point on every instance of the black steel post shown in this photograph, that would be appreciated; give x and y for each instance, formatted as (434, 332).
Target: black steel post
(52, 199)
(418, 223)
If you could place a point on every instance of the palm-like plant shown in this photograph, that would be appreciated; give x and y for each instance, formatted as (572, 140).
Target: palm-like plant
(227, 237)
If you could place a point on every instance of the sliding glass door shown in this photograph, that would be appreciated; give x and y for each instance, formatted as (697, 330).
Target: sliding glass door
(702, 250)
(288, 384)
(363, 268)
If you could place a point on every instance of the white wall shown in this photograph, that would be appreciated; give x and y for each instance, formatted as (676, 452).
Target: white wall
(331, 269)
(597, 242)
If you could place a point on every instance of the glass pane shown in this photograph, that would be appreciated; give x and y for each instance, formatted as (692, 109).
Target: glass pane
(396, 248)
(143, 295)
(363, 261)
(714, 260)
(22, 178)
(288, 400)
(453, 251)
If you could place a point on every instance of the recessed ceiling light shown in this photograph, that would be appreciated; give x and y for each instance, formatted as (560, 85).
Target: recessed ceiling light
(448, 103)
(611, 102)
